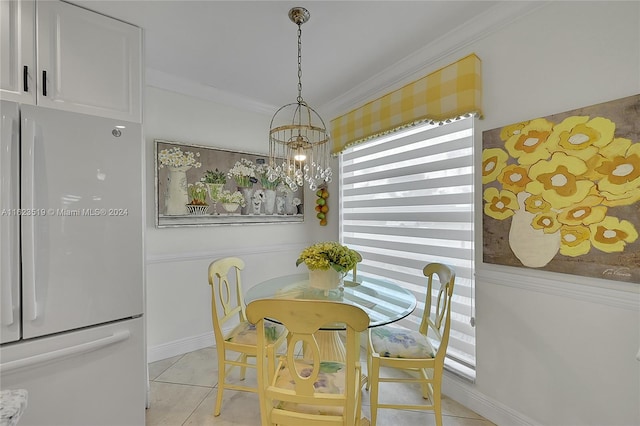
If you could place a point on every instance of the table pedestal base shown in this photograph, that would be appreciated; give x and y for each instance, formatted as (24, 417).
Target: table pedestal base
(330, 346)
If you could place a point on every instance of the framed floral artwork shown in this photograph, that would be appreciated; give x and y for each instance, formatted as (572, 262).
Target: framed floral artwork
(200, 186)
(562, 193)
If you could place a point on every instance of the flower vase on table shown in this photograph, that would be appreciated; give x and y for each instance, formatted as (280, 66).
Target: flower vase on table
(328, 263)
(325, 279)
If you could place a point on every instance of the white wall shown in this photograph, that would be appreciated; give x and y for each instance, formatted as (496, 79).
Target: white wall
(557, 349)
(552, 349)
(178, 294)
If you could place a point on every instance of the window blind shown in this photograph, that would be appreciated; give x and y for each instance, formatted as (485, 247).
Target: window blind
(407, 200)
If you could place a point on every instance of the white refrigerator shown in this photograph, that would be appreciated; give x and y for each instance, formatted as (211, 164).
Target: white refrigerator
(71, 266)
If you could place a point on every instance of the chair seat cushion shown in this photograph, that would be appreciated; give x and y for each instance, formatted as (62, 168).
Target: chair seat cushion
(331, 380)
(396, 342)
(245, 333)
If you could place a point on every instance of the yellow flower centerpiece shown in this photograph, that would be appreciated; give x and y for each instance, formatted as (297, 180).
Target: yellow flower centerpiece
(328, 262)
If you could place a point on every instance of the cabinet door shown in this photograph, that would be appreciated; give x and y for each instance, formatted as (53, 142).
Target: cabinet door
(18, 51)
(88, 62)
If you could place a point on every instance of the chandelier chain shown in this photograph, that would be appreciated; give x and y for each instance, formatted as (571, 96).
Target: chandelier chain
(299, 63)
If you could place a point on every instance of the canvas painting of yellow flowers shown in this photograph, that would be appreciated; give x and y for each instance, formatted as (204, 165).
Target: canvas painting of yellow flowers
(562, 193)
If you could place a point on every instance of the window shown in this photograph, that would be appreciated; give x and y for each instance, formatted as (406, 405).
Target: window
(407, 200)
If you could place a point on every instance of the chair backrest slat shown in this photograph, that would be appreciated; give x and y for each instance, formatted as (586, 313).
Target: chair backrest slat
(438, 322)
(222, 289)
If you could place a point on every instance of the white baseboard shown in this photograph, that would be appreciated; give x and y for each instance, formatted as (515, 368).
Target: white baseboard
(465, 393)
(179, 347)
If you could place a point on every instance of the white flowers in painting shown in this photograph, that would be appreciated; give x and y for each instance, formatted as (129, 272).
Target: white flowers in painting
(268, 177)
(242, 172)
(197, 193)
(174, 157)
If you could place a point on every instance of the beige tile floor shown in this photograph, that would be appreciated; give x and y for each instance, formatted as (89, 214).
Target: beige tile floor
(183, 392)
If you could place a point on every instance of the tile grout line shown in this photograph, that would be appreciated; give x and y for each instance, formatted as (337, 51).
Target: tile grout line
(197, 406)
(185, 384)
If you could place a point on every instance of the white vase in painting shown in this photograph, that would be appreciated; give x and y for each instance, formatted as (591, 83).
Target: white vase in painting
(289, 206)
(230, 207)
(176, 197)
(280, 205)
(269, 201)
(256, 203)
(247, 193)
(531, 246)
(214, 190)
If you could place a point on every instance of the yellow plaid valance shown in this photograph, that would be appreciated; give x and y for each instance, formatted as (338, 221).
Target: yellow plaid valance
(447, 93)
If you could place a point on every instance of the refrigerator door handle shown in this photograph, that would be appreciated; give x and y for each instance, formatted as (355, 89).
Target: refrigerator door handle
(8, 221)
(25, 78)
(29, 303)
(82, 348)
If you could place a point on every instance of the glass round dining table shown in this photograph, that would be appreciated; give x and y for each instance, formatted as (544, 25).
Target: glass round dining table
(384, 302)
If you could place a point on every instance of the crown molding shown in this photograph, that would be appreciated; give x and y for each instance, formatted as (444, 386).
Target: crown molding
(418, 63)
(173, 83)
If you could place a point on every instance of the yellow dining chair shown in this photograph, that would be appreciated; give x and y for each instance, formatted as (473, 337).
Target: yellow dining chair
(412, 350)
(225, 280)
(309, 391)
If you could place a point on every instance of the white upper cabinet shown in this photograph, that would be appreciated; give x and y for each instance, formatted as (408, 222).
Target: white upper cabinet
(85, 62)
(88, 62)
(17, 51)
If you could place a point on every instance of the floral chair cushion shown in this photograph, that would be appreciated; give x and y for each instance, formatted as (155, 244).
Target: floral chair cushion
(330, 380)
(396, 342)
(245, 333)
